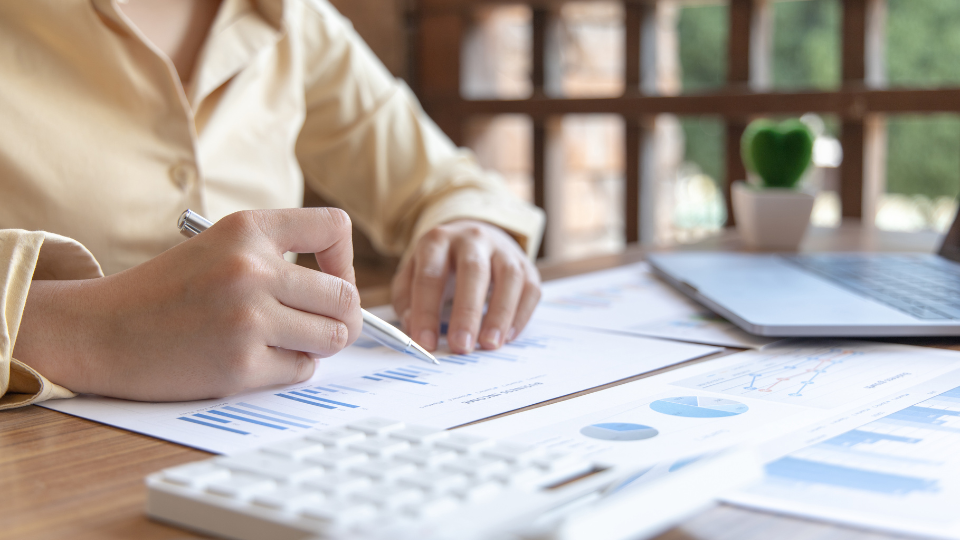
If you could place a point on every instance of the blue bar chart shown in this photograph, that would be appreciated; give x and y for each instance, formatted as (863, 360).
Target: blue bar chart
(546, 361)
(900, 471)
(230, 418)
(895, 455)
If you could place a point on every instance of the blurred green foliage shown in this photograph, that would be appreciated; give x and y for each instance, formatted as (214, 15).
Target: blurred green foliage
(702, 32)
(923, 154)
(923, 42)
(806, 45)
(923, 50)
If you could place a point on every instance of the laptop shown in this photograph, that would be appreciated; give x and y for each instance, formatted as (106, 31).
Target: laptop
(825, 294)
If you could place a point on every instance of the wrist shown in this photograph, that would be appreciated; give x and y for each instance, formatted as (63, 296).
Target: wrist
(56, 332)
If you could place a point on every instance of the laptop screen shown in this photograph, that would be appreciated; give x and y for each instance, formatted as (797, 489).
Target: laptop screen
(950, 248)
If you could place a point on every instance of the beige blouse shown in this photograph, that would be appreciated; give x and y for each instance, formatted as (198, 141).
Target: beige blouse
(102, 148)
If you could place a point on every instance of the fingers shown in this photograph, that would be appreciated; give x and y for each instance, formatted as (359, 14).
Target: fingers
(282, 366)
(400, 292)
(508, 284)
(473, 279)
(528, 303)
(324, 231)
(316, 293)
(430, 268)
(305, 332)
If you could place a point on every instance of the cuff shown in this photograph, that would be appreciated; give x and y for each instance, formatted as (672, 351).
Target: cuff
(26, 387)
(522, 221)
(25, 256)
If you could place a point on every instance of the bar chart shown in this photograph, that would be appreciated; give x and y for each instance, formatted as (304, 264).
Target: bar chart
(894, 455)
(250, 414)
(545, 362)
(900, 472)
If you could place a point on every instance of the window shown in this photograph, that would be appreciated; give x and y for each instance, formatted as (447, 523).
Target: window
(631, 112)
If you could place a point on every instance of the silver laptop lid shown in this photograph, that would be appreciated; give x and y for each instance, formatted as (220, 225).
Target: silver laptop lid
(950, 248)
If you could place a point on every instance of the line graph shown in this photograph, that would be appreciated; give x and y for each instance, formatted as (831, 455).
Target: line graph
(824, 374)
(782, 374)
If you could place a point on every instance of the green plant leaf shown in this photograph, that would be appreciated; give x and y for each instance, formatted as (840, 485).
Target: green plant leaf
(778, 153)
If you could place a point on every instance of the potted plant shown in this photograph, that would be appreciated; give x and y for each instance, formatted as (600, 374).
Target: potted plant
(771, 212)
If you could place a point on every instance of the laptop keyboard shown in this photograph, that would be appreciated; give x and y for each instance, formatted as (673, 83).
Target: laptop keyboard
(919, 285)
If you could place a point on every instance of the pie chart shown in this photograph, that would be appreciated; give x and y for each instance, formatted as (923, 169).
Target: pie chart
(619, 431)
(699, 407)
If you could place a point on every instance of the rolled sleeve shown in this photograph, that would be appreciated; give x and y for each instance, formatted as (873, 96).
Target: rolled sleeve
(25, 256)
(368, 146)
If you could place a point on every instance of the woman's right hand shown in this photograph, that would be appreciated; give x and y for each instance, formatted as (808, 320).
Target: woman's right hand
(215, 315)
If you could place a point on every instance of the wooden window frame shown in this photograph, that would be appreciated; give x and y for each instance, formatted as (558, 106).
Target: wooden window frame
(437, 31)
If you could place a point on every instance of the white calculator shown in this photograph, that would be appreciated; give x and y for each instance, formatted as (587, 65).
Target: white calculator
(380, 478)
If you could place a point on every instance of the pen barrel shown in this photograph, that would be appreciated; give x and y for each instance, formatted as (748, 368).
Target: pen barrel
(192, 223)
(384, 333)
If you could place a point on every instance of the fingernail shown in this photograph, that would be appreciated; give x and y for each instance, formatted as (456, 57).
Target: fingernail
(491, 338)
(512, 333)
(428, 340)
(462, 341)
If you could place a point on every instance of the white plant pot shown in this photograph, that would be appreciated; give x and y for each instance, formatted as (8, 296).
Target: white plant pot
(771, 219)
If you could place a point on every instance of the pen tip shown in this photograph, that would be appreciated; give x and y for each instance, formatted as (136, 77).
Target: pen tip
(423, 353)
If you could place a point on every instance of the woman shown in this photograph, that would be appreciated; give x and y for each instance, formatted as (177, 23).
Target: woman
(117, 117)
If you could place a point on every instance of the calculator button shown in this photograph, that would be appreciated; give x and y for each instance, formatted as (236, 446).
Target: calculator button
(478, 492)
(479, 467)
(338, 459)
(288, 499)
(338, 484)
(294, 448)
(384, 470)
(281, 470)
(342, 514)
(390, 496)
(431, 508)
(420, 434)
(380, 447)
(435, 481)
(196, 474)
(376, 426)
(427, 457)
(336, 437)
(462, 442)
(240, 486)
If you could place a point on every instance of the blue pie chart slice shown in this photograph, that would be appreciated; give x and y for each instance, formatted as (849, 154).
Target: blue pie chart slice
(619, 431)
(699, 407)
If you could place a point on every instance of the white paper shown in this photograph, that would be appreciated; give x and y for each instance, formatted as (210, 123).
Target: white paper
(893, 465)
(547, 361)
(667, 416)
(631, 299)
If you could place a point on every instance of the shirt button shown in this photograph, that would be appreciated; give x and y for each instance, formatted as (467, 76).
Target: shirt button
(183, 175)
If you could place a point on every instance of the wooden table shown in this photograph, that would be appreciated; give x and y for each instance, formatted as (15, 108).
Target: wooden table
(65, 477)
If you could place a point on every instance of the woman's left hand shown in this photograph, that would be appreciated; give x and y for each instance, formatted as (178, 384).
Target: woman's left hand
(481, 256)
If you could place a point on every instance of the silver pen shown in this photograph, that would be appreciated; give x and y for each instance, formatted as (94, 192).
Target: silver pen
(375, 328)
